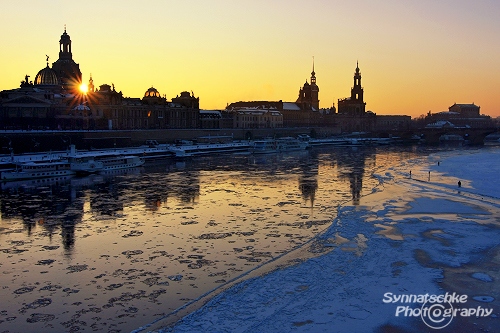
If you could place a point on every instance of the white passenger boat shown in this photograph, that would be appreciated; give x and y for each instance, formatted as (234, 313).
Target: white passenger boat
(189, 150)
(328, 142)
(70, 166)
(152, 150)
(286, 144)
(85, 166)
(32, 170)
(48, 169)
(120, 162)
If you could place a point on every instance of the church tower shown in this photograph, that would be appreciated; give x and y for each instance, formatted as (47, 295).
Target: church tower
(90, 86)
(309, 93)
(314, 90)
(357, 90)
(355, 105)
(65, 67)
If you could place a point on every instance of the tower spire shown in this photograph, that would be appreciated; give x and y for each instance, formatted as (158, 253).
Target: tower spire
(313, 74)
(91, 84)
(357, 89)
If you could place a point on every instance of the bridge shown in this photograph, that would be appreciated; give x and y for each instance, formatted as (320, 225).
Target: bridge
(474, 136)
(431, 136)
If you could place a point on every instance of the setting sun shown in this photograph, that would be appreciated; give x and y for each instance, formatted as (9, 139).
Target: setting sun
(83, 88)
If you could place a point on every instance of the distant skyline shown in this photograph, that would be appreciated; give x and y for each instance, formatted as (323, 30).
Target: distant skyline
(414, 56)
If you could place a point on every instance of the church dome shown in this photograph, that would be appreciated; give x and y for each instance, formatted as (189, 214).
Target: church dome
(46, 76)
(152, 92)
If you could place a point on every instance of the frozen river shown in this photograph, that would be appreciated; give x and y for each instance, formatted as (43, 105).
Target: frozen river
(115, 252)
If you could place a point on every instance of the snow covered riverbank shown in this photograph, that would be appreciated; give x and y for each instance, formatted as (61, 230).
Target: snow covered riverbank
(412, 237)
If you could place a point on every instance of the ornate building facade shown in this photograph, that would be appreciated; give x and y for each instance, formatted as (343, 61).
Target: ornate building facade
(460, 115)
(54, 101)
(309, 94)
(304, 112)
(352, 115)
(354, 105)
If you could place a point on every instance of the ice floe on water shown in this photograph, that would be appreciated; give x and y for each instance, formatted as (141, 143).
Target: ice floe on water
(483, 277)
(343, 227)
(114, 253)
(421, 234)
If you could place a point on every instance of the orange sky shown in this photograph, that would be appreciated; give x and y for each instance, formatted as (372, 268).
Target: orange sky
(414, 56)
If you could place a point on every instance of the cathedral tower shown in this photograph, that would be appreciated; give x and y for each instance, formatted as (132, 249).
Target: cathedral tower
(357, 90)
(354, 105)
(309, 93)
(65, 67)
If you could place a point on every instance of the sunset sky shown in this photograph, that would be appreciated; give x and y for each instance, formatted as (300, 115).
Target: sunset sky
(414, 56)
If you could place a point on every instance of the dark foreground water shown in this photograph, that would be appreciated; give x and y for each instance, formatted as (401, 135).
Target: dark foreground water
(114, 252)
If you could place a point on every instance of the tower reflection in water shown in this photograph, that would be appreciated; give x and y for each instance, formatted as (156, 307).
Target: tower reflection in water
(202, 222)
(57, 205)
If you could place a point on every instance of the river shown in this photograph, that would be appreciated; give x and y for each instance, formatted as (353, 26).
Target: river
(116, 251)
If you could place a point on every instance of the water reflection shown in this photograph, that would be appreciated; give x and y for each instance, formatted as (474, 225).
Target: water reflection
(60, 202)
(196, 223)
(308, 179)
(352, 165)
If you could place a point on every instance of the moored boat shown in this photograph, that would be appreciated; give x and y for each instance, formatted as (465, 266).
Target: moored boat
(69, 167)
(32, 170)
(189, 150)
(267, 146)
(85, 166)
(120, 162)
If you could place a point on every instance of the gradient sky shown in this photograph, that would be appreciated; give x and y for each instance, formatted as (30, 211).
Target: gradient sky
(414, 56)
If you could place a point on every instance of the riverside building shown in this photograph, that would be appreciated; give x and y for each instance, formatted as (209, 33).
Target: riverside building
(54, 100)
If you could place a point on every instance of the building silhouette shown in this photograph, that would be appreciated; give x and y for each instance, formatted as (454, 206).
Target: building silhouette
(459, 115)
(304, 112)
(66, 69)
(54, 101)
(354, 105)
(309, 94)
(352, 115)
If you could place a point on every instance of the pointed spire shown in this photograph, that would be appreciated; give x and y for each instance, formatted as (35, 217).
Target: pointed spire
(313, 75)
(357, 73)
(91, 84)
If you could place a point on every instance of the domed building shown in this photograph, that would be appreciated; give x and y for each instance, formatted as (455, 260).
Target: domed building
(153, 97)
(46, 77)
(53, 100)
(67, 70)
(152, 92)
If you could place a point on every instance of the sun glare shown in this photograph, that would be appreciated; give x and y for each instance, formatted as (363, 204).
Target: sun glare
(83, 88)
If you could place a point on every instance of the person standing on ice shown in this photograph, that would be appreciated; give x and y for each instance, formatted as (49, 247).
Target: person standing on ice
(459, 183)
